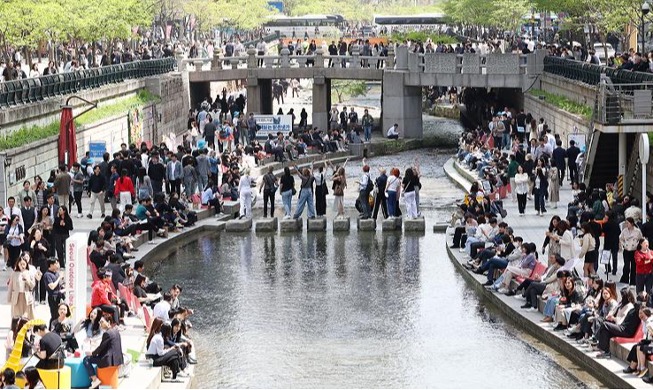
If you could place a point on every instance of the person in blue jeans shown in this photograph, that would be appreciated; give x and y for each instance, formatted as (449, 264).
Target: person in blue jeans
(501, 261)
(305, 193)
(364, 187)
(367, 122)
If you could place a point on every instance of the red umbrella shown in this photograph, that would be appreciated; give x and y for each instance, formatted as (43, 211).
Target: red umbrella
(67, 138)
(67, 134)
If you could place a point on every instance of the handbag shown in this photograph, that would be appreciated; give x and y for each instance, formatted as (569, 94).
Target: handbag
(294, 191)
(606, 256)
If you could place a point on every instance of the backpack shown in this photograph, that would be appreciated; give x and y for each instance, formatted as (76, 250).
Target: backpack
(370, 185)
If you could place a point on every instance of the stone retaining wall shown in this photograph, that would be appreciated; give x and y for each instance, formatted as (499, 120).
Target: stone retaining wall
(560, 121)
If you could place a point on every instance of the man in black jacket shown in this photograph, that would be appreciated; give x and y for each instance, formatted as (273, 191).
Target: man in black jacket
(157, 173)
(559, 154)
(572, 153)
(107, 354)
(97, 184)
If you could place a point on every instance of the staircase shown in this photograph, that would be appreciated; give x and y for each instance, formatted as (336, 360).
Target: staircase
(602, 155)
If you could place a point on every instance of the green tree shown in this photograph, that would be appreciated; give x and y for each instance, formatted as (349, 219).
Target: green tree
(344, 88)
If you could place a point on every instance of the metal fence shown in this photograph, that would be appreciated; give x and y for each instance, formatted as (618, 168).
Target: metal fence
(25, 91)
(591, 74)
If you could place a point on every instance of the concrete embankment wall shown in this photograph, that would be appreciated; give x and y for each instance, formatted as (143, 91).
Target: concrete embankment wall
(167, 116)
(560, 121)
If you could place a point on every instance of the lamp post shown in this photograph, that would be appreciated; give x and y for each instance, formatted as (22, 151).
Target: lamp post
(645, 10)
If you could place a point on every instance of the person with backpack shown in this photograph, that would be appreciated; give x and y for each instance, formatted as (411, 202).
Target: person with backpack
(365, 186)
(143, 185)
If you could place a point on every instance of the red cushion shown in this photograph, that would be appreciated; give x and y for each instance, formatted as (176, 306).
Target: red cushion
(639, 334)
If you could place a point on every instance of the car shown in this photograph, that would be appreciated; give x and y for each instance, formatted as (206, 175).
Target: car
(600, 51)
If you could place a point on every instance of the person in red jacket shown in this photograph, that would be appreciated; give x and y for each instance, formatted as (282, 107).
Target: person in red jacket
(124, 189)
(101, 293)
(643, 267)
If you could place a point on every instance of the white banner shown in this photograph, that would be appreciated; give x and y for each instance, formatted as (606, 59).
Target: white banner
(76, 275)
(272, 124)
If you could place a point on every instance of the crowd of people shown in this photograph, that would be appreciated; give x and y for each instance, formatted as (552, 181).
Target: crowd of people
(576, 300)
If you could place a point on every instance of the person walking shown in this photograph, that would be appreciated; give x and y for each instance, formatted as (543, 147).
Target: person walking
(367, 122)
(61, 229)
(62, 186)
(78, 187)
(540, 187)
(287, 191)
(269, 188)
(554, 186)
(19, 291)
(321, 191)
(521, 189)
(245, 194)
(174, 173)
(305, 193)
(123, 189)
(97, 184)
(572, 153)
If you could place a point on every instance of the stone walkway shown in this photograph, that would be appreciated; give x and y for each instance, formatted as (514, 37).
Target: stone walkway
(532, 228)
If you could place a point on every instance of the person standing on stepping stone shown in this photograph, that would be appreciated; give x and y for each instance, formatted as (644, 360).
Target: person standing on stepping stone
(245, 194)
(321, 191)
(269, 188)
(305, 193)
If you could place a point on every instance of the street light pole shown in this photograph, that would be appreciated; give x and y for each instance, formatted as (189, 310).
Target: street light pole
(645, 10)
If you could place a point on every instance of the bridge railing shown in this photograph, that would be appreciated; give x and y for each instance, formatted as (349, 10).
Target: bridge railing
(284, 60)
(470, 63)
(591, 74)
(25, 91)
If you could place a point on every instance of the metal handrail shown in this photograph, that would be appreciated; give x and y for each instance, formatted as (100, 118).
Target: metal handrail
(590, 73)
(26, 91)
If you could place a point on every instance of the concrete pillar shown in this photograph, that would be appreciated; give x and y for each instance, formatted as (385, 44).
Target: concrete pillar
(623, 155)
(401, 58)
(390, 60)
(179, 56)
(251, 58)
(402, 105)
(285, 57)
(355, 57)
(253, 95)
(321, 94)
(319, 58)
(216, 63)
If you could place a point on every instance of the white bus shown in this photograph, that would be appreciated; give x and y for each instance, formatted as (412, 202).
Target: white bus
(409, 20)
(307, 25)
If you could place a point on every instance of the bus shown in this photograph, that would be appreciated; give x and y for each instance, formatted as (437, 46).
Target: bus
(310, 26)
(409, 20)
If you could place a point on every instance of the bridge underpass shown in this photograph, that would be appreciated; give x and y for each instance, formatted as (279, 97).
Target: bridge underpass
(402, 78)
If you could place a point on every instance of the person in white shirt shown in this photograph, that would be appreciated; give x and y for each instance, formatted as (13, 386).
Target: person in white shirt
(245, 194)
(162, 309)
(392, 132)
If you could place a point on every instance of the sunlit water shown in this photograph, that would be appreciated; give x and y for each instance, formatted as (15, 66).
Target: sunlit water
(349, 310)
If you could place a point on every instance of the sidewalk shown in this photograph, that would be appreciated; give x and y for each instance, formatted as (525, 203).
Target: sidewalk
(532, 228)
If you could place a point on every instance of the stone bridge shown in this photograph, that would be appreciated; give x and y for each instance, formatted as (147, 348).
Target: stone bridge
(402, 74)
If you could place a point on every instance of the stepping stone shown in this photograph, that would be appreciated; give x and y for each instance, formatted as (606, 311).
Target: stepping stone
(239, 225)
(440, 227)
(368, 225)
(341, 224)
(291, 225)
(415, 225)
(317, 225)
(391, 224)
(267, 225)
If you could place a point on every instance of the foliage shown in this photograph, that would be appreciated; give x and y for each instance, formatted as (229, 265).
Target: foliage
(564, 103)
(230, 13)
(344, 88)
(362, 10)
(26, 135)
(28, 23)
(422, 36)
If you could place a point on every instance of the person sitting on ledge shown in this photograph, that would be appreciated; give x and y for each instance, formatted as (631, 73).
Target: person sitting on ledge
(639, 353)
(626, 328)
(545, 285)
(393, 132)
(524, 268)
(107, 354)
(156, 350)
(507, 253)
